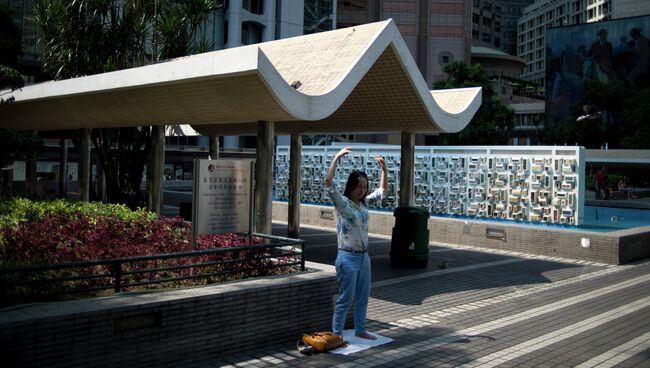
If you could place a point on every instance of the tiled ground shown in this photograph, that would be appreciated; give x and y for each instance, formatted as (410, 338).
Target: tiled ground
(486, 309)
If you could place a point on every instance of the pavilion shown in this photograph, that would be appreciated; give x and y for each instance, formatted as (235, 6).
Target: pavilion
(351, 80)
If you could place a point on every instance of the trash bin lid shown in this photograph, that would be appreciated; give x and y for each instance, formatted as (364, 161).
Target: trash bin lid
(411, 211)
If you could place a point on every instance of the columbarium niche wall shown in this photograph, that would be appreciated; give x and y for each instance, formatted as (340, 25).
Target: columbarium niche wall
(542, 184)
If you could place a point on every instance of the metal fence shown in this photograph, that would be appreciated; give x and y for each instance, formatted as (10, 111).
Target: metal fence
(127, 273)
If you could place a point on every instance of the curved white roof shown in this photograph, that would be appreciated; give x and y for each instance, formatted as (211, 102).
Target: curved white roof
(358, 79)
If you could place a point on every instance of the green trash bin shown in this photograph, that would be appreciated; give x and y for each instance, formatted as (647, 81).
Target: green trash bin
(409, 246)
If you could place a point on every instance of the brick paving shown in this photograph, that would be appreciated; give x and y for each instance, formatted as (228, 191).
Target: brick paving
(485, 309)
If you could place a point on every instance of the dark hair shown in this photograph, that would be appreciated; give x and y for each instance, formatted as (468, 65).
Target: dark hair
(353, 181)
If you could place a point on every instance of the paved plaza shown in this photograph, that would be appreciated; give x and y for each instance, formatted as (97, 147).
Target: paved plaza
(476, 308)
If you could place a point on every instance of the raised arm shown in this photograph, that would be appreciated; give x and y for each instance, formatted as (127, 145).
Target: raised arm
(383, 181)
(332, 169)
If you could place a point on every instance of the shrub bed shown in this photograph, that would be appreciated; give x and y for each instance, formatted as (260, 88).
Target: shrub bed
(55, 232)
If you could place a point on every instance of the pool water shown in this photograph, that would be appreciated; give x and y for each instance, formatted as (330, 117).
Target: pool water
(599, 219)
(612, 218)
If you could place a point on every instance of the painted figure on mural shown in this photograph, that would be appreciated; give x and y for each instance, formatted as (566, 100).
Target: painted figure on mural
(602, 53)
(642, 53)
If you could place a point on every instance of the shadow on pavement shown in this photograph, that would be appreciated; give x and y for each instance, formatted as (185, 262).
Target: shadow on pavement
(449, 270)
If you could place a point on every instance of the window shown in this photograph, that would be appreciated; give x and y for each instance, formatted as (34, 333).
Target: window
(251, 33)
(253, 6)
(445, 58)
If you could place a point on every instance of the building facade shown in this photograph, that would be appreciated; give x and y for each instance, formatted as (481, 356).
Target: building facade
(29, 64)
(437, 32)
(527, 102)
(511, 11)
(531, 27)
(486, 23)
(628, 8)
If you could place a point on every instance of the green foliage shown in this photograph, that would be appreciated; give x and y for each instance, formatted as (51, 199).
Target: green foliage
(10, 78)
(84, 37)
(493, 121)
(16, 210)
(70, 33)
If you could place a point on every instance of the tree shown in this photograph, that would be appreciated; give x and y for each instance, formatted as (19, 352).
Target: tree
(607, 113)
(85, 37)
(492, 122)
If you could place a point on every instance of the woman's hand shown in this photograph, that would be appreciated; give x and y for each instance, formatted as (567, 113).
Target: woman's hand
(382, 163)
(330, 173)
(383, 180)
(344, 151)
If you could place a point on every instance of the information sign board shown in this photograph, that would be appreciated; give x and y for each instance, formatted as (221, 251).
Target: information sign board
(222, 196)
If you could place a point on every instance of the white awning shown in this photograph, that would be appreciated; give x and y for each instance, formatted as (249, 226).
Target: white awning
(357, 79)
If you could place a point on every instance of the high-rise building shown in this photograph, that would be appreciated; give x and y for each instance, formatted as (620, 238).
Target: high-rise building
(437, 32)
(511, 11)
(628, 8)
(531, 45)
(28, 61)
(486, 23)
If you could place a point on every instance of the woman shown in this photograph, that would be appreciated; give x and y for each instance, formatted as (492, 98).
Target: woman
(352, 261)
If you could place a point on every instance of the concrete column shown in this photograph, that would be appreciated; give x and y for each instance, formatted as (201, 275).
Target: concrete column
(218, 29)
(83, 180)
(264, 177)
(293, 226)
(31, 177)
(155, 170)
(406, 170)
(234, 23)
(63, 168)
(214, 147)
(268, 33)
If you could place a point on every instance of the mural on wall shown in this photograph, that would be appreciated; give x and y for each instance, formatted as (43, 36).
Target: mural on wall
(538, 184)
(616, 50)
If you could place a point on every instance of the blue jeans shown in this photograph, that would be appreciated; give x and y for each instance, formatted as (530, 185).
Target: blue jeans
(353, 275)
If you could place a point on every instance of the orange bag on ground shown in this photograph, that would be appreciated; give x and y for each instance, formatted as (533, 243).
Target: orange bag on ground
(323, 341)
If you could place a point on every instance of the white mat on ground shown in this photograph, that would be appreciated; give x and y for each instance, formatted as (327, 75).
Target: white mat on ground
(357, 344)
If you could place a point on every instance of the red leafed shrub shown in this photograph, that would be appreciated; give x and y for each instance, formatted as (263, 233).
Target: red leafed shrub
(58, 239)
(64, 237)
